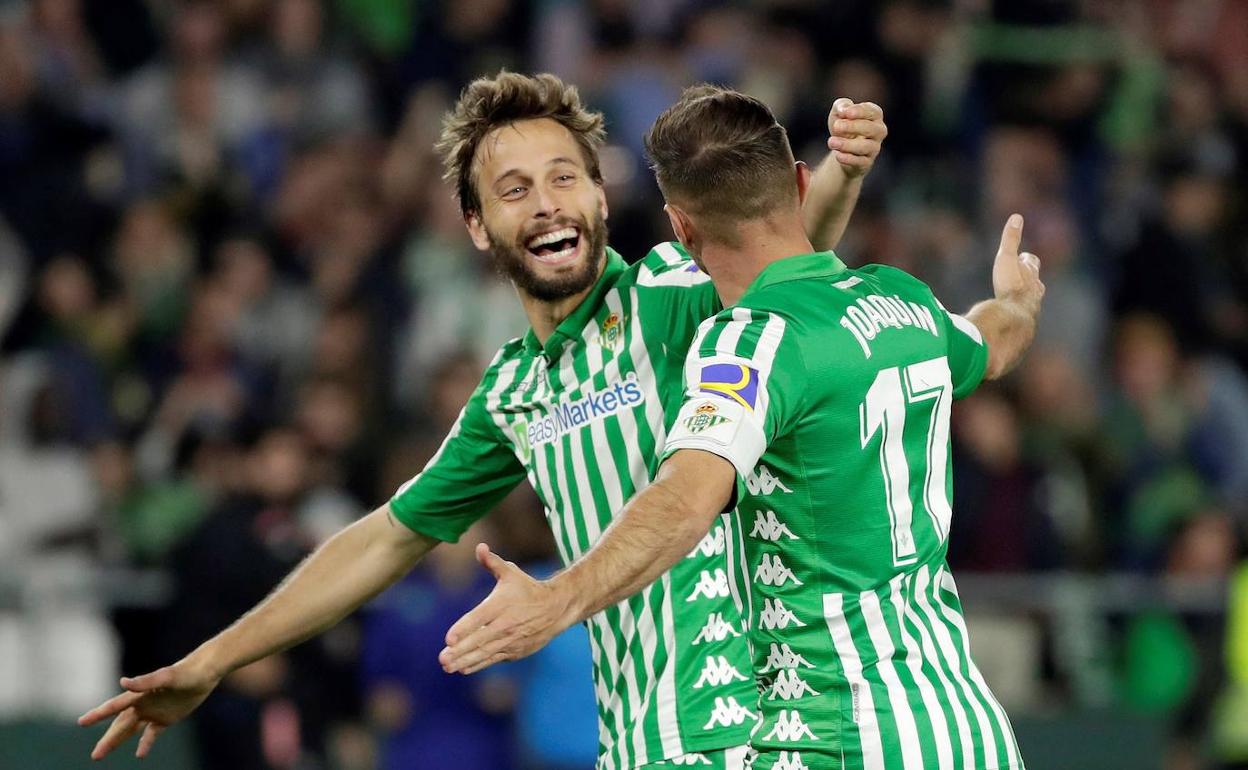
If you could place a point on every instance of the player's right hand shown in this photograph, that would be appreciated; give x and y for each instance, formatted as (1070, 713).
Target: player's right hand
(150, 704)
(1015, 276)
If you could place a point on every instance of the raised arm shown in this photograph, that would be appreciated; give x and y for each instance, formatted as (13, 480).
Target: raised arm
(658, 528)
(1008, 321)
(855, 132)
(346, 571)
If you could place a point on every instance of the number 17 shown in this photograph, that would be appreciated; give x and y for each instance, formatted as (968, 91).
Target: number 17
(884, 409)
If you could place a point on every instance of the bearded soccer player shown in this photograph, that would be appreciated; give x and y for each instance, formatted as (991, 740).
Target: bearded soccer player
(819, 399)
(577, 406)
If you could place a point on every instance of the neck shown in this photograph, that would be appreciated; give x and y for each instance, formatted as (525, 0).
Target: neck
(546, 315)
(733, 268)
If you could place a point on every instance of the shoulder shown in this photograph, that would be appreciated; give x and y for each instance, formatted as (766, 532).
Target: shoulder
(669, 265)
(891, 278)
(502, 369)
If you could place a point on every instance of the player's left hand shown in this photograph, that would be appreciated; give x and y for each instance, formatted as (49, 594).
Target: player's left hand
(856, 131)
(516, 620)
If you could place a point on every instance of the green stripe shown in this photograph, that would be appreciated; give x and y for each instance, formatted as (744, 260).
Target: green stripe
(711, 341)
(747, 345)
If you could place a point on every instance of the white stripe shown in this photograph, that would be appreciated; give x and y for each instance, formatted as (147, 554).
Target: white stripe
(881, 640)
(588, 515)
(641, 627)
(952, 660)
(951, 695)
(966, 327)
(610, 700)
(727, 343)
(734, 758)
(668, 253)
(914, 662)
(764, 356)
(639, 471)
(943, 577)
(851, 665)
(681, 277)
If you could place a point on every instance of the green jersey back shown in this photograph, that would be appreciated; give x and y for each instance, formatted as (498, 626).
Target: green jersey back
(830, 390)
(584, 418)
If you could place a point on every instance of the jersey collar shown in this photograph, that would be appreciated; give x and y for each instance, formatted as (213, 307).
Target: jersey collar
(820, 264)
(570, 327)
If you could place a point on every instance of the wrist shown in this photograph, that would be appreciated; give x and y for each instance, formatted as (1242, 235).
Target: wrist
(568, 601)
(1025, 302)
(209, 661)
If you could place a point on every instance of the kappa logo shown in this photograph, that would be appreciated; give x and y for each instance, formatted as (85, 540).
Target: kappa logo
(768, 527)
(776, 616)
(718, 672)
(763, 482)
(782, 656)
(711, 585)
(687, 760)
(790, 761)
(790, 686)
(790, 727)
(727, 712)
(772, 572)
(716, 629)
(711, 545)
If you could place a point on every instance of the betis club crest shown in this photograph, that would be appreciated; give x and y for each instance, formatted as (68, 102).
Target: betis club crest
(612, 332)
(705, 416)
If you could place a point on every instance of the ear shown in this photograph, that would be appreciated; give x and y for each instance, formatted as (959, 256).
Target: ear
(476, 231)
(804, 175)
(602, 202)
(682, 225)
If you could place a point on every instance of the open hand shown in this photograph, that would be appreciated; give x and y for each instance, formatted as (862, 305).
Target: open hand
(1016, 276)
(150, 704)
(856, 131)
(517, 619)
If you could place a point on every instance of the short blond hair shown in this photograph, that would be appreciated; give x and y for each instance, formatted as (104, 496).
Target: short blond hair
(489, 102)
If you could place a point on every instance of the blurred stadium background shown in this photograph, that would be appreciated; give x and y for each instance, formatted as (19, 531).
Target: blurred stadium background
(238, 309)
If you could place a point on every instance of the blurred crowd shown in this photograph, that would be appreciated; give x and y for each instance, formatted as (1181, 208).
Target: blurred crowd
(238, 308)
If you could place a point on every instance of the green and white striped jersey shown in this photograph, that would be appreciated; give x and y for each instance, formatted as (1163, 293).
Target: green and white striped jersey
(830, 390)
(583, 417)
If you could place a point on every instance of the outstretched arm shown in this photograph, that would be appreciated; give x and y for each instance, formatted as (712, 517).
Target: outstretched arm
(1008, 322)
(855, 133)
(658, 528)
(349, 569)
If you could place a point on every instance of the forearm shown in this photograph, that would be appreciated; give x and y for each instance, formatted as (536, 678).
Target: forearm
(829, 203)
(658, 528)
(349, 569)
(1008, 326)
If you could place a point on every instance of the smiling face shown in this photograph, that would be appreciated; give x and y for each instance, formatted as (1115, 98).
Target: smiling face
(542, 216)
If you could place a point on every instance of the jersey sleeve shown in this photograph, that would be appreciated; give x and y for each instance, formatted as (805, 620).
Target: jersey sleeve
(744, 381)
(473, 470)
(968, 352)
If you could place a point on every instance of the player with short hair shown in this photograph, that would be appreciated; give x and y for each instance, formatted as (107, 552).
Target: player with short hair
(818, 400)
(577, 406)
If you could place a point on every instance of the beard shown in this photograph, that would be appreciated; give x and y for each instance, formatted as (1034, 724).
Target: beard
(511, 259)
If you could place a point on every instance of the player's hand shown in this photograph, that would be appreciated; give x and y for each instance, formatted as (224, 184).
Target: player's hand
(517, 619)
(1015, 276)
(856, 131)
(149, 705)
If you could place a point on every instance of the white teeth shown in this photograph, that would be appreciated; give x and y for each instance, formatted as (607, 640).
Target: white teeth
(558, 235)
(558, 255)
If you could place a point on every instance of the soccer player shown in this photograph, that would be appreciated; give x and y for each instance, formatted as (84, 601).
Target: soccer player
(818, 400)
(577, 406)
